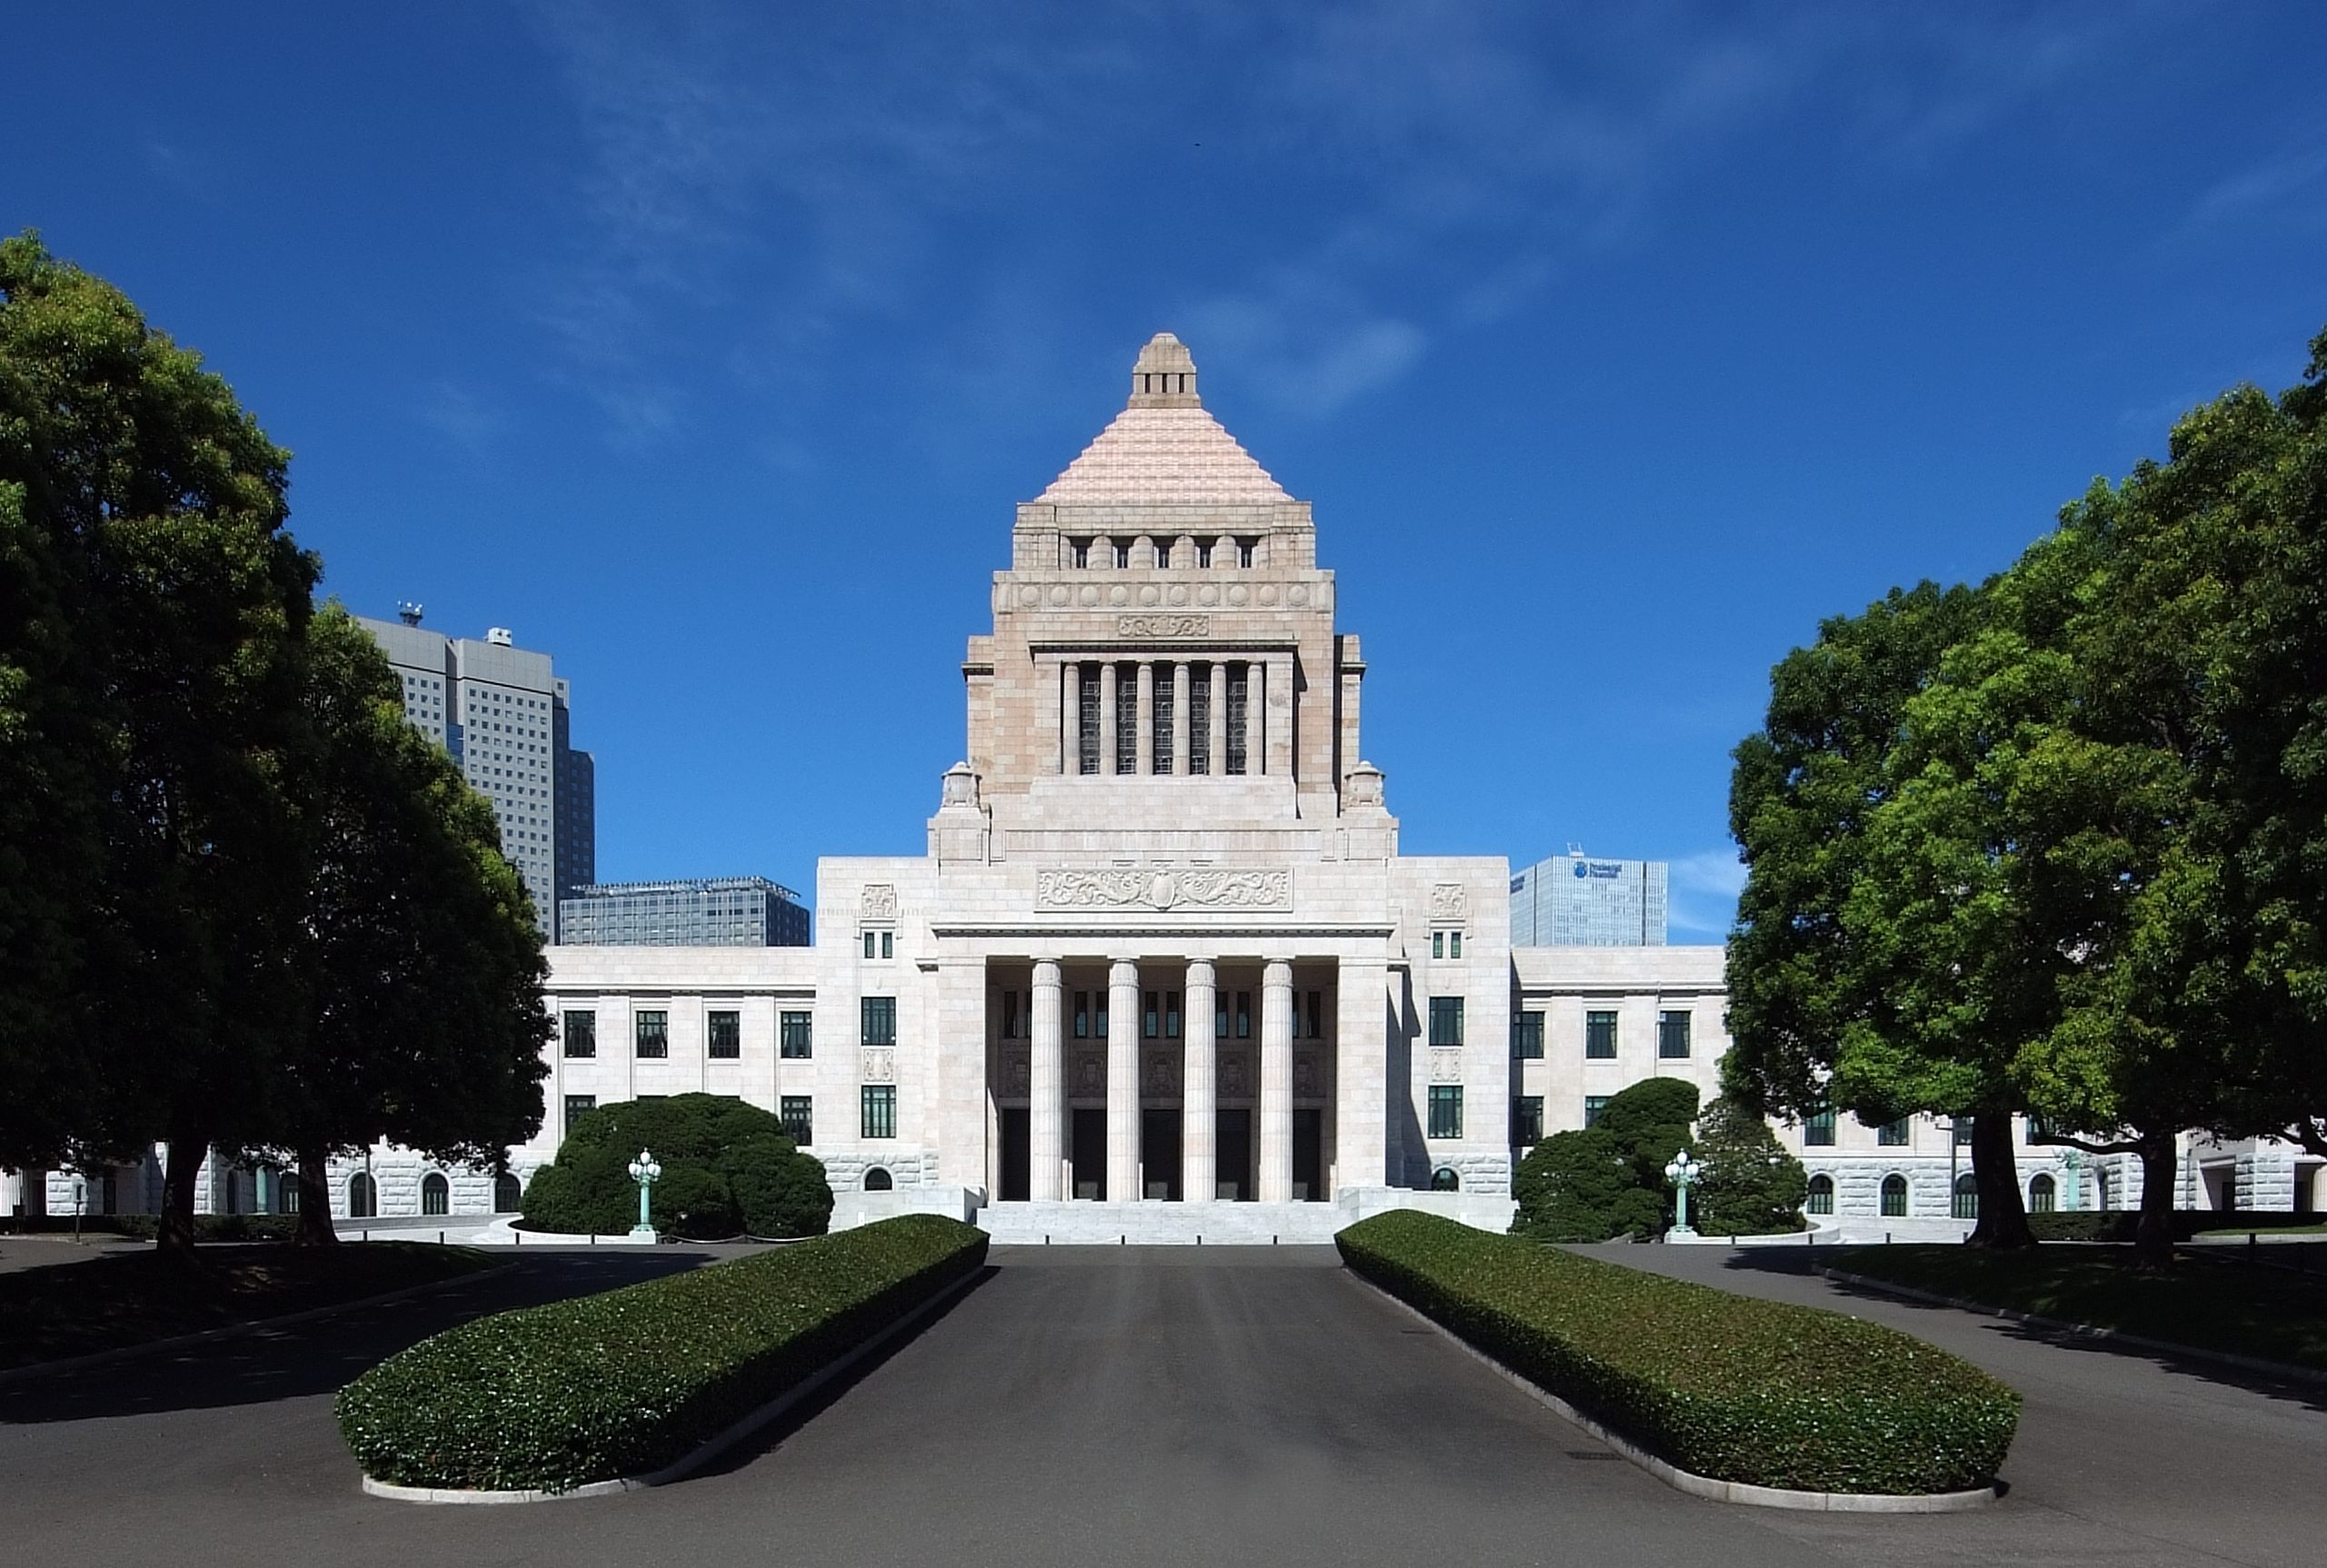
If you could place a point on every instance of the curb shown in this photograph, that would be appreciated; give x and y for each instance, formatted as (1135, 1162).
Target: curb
(712, 1448)
(2081, 1330)
(1689, 1481)
(229, 1331)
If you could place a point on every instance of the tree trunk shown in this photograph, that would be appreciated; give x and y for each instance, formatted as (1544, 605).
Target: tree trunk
(2003, 1218)
(175, 1234)
(2161, 1169)
(315, 1202)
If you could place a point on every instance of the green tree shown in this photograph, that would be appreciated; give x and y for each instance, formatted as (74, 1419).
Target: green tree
(418, 951)
(1751, 1186)
(148, 692)
(728, 1167)
(1607, 1179)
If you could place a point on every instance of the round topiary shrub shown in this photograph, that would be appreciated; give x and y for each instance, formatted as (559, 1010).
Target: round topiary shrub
(727, 1169)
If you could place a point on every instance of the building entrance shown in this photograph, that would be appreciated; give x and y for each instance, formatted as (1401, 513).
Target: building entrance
(1159, 1154)
(1233, 1133)
(1088, 1157)
(1017, 1149)
(1308, 1157)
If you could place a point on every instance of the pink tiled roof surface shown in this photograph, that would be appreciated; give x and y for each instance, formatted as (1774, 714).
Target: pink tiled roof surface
(1164, 457)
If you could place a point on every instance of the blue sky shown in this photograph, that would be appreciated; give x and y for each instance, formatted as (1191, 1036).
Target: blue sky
(710, 347)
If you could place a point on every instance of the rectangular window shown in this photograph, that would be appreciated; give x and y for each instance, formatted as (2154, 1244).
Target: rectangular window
(879, 1118)
(796, 1038)
(1163, 553)
(1445, 1111)
(1087, 719)
(868, 944)
(1080, 550)
(1454, 944)
(1204, 552)
(1244, 552)
(1244, 1015)
(1527, 1121)
(889, 944)
(1963, 1132)
(1151, 1016)
(1437, 944)
(1527, 1036)
(1171, 1014)
(1159, 726)
(653, 1033)
(1200, 719)
(1009, 1015)
(1673, 1036)
(1127, 718)
(1082, 1015)
(1593, 1105)
(1818, 1130)
(1236, 738)
(1893, 1135)
(1599, 1035)
(1100, 1024)
(578, 1106)
(879, 1020)
(1317, 1015)
(726, 1035)
(1445, 1020)
(1122, 556)
(582, 1034)
(798, 1113)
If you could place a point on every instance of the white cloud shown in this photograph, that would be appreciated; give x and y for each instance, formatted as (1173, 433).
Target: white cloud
(1701, 895)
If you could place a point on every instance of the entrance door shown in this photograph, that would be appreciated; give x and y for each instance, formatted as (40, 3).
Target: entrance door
(1160, 1155)
(1308, 1157)
(1090, 1155)
(1018, 1155)
(1233, 1133)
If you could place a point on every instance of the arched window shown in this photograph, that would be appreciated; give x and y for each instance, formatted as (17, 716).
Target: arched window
(1446, 1178)
(877, 1180)
(2041, 1193)
(1967, 1197)
(508, 1197)
(435, 1193)
(1822, 1195)
(1895, 1198)
(362, 1196)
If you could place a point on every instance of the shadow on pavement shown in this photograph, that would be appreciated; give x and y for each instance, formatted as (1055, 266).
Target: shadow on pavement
(322, 1354)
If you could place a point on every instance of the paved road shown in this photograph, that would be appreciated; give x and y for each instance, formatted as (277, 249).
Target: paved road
(2123, 1457)
(1083, 1406)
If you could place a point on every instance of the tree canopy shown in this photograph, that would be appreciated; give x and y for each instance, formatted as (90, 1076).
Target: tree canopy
(728, 1169)
(1606, 1180)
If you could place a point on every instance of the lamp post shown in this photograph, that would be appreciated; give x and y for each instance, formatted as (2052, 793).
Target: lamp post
(644, 1171)
(80, 1197)
(1681, 1172)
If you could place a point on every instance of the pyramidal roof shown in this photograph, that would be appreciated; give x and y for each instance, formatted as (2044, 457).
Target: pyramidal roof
(1164, 449)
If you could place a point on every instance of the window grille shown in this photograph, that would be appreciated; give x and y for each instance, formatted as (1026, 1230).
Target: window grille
(1527, 1036)
(1200, 719)
(1160, 713)
(1445, 1020)
(1818, 1129)
(582, 1034)
(880, 1017)
(1086, 732)
(725, 1035)
(879, 1111)
(798, 1113)
(1445, 1111)
(797, 1035)
(1673, 1036)
(1237, 757)
(652, 1028)
(1127, 718)
(1599, 1035)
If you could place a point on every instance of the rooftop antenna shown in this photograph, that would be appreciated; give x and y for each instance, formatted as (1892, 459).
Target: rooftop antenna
(499, 636)
(408, 611)
(1574, 851)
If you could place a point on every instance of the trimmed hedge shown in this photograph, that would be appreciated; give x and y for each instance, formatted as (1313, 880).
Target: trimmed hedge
(625, 1382)
(1725, 1386)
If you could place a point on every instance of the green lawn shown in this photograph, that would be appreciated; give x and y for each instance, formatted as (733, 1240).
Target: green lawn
(2214, 1304)
(130, 1298)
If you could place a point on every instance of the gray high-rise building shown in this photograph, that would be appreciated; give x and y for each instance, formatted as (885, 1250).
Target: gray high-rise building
(1579, 900)
(711, 912)
(507, 719)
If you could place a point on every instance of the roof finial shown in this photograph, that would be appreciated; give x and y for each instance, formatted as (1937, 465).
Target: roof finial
(1165, 375)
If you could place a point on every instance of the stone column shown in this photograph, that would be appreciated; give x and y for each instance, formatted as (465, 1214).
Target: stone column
(1070, 717)
(1179, 718)
(1274, 1179)
(1144, 721)
(1216, 722)
(1046, 1086)
(1279, 724)
(1200, 1063)
(1107, 695)
(1123, 1081)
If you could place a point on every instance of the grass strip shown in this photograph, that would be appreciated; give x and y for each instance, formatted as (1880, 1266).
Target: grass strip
(68, 1309)
(2206, 1302)
(549, 1398)
(1725, 1386)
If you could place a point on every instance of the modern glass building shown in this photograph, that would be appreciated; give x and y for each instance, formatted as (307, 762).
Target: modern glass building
(712, 912)
(1576, 900)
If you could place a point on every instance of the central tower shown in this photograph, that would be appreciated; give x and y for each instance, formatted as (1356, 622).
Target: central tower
(1164, 681)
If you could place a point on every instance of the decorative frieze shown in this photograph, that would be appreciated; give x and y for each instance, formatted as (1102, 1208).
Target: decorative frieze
(1163, 888)
(1163, 626)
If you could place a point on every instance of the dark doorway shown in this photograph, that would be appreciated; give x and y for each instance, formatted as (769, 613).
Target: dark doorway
(1017, 1155)
(1160, 1155)
(1089, 1153)
(1308, 1157)
(1233, 1129)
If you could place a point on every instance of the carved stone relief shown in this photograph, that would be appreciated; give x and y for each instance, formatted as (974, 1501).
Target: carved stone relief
(1446, 1067)
(1090, 1076)
(1305, 1076)
(1163, 626)
(879, 1064)
(1162, 889)
(1235, 1078)
(1450, 902)
(879, 901)
(1163, 1076)
(1018, 1076)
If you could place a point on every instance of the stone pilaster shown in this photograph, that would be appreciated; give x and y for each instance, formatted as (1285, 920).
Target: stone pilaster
(1179, 718)
(1143, 722)
(1123, 1081)
(1274, 1182)
(1046, 1086)
(1361, 1086)
(1199, 1158)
